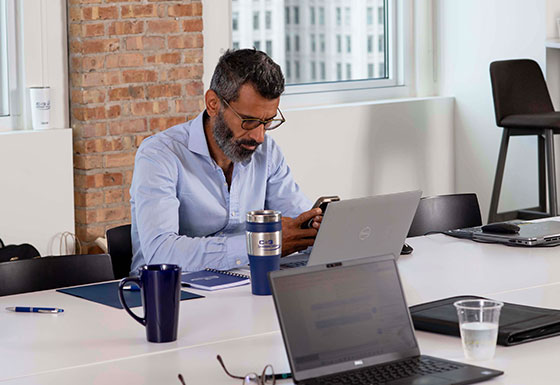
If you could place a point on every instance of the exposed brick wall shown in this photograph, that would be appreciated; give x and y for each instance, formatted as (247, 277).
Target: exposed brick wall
(135, 69)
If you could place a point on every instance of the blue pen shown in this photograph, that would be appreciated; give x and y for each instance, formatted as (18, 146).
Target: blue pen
(25, 309)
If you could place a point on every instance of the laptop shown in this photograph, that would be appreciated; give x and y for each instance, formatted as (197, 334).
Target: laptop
(355, 228)
(546, 233)
(348, 322)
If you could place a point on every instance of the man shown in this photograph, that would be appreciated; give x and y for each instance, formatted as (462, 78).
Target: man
(194, 182)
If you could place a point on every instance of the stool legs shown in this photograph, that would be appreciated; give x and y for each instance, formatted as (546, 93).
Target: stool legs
(493, 216)
(551, 167)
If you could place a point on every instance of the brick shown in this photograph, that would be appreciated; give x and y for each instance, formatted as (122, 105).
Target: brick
(139, 139)
(73, 2)
(88, 198)
(86, 64)
(89, 233)
(125, 60)
(113, 196)
(164, 58)
(111, 214)
(91, 130)
(100, 45)
(194, 88)
(180, 10)
(138, 11)
(189, 72)
(163, 123)
(114, 112)
(125, 28)
(92, 79)
(137, 76)
(126, 194)
(75, 14)
(149, 108)
(164, 90)
(185, 41)
(192, 105)
(84, 113)
(87, 162)
(85, 216)
(192, 25)
(99, 13)
(98, 145)
(126, 93)
(119, 160)
(193, 56)
(88, 96)
(128, 126)
(127, 178)
(163, 26)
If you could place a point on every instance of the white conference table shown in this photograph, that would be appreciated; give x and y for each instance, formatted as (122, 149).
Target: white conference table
(93, 343)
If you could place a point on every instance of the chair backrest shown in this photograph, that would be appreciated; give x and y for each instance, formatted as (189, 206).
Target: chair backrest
(445, 212)
(119, 246)
(53, 272)
(518, 87)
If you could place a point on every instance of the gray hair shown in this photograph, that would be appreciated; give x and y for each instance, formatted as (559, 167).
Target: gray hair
(238, 67)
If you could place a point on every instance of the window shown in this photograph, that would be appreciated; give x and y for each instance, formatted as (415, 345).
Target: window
(363, 41)
(257, 44)
(312, 15)
(269, 47)
(268, 20)
(313, 43)
(288, 69)
(369, 17)
(321, 16)
(338, 43)
(313, 71)
(4, 84)
(235, 45)
(255, 21)
(235, 21)
(338, 16)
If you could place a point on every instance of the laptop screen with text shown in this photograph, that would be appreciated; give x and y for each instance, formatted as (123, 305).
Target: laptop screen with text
(344, 314)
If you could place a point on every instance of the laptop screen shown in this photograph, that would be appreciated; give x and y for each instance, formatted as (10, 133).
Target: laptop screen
(344, 314)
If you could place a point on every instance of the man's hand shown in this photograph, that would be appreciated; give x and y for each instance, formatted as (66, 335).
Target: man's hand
(294, 238)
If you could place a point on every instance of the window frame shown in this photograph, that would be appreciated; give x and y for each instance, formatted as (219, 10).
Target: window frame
(11, 120)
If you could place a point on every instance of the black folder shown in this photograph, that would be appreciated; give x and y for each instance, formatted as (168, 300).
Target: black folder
(518, 323)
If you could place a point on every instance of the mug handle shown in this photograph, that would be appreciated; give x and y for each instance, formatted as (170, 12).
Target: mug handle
(122, 283)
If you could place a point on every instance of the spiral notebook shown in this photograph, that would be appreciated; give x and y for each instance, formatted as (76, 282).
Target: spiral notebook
(212, 279)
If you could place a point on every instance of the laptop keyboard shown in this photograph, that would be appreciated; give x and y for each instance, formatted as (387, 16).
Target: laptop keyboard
(385, 373)
(290, 265)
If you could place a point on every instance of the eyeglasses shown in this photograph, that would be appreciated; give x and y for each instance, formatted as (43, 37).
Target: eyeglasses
(252, 123)
(267, 376)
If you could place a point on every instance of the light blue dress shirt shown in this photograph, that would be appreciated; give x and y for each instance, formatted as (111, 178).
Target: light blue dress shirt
(182, 211)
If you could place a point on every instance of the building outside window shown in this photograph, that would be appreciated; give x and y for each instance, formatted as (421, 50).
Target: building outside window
(313, 71)
(369, 16)
(296, 65)
(296, 42)
(370, 44)
(338, 16)
(269, 47)
(256, 21)
(235, 21)
(268, 20)
(313, 43)
(338, 71)
(347, 16)
(323, 70)
(338, 43)
(321, 16)
(288, 40)
(288, 70)
(370, 70)
(257, 44)
(348, 43)
(235, 45)
(296, 15)
(287, 15)
(381, 43)
(312, 15)
(348, 71)
(322, 43)
(380, 15)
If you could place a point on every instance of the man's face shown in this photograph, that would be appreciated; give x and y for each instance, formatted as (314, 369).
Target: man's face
(235, 142)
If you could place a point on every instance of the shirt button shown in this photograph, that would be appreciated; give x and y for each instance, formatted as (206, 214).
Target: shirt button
(238, 262)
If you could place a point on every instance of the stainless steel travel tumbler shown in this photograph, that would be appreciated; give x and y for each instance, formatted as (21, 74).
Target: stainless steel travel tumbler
(264, 233)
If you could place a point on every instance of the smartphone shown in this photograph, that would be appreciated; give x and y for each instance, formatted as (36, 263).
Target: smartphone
(322, 203)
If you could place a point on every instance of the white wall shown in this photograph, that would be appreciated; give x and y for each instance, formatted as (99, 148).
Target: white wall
(358, 150)
(36, 194)
(470, 35)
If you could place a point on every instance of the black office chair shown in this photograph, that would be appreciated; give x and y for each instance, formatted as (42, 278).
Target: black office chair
(445, 212)
(119, 247)
(523, 107)
(46, 273)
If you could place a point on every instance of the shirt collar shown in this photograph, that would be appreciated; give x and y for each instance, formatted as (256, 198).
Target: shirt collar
(197, 139)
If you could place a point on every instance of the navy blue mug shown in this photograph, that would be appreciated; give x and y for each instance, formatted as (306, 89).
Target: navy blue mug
(160, 288)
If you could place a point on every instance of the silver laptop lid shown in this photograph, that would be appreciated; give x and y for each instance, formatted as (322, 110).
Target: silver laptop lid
(375, 225)
(530, 234)
(342, 316)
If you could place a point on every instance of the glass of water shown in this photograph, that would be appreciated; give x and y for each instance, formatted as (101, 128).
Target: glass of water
(478, 323)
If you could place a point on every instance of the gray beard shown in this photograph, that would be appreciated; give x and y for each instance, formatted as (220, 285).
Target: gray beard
(230, 147)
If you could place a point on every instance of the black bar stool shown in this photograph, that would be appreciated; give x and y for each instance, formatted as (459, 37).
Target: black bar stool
(523, 107)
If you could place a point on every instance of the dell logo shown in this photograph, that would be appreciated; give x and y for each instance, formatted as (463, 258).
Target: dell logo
(365, 233)
(358, 363)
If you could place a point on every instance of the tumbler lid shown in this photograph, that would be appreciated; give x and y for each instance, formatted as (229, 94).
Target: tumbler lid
(264, 216)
